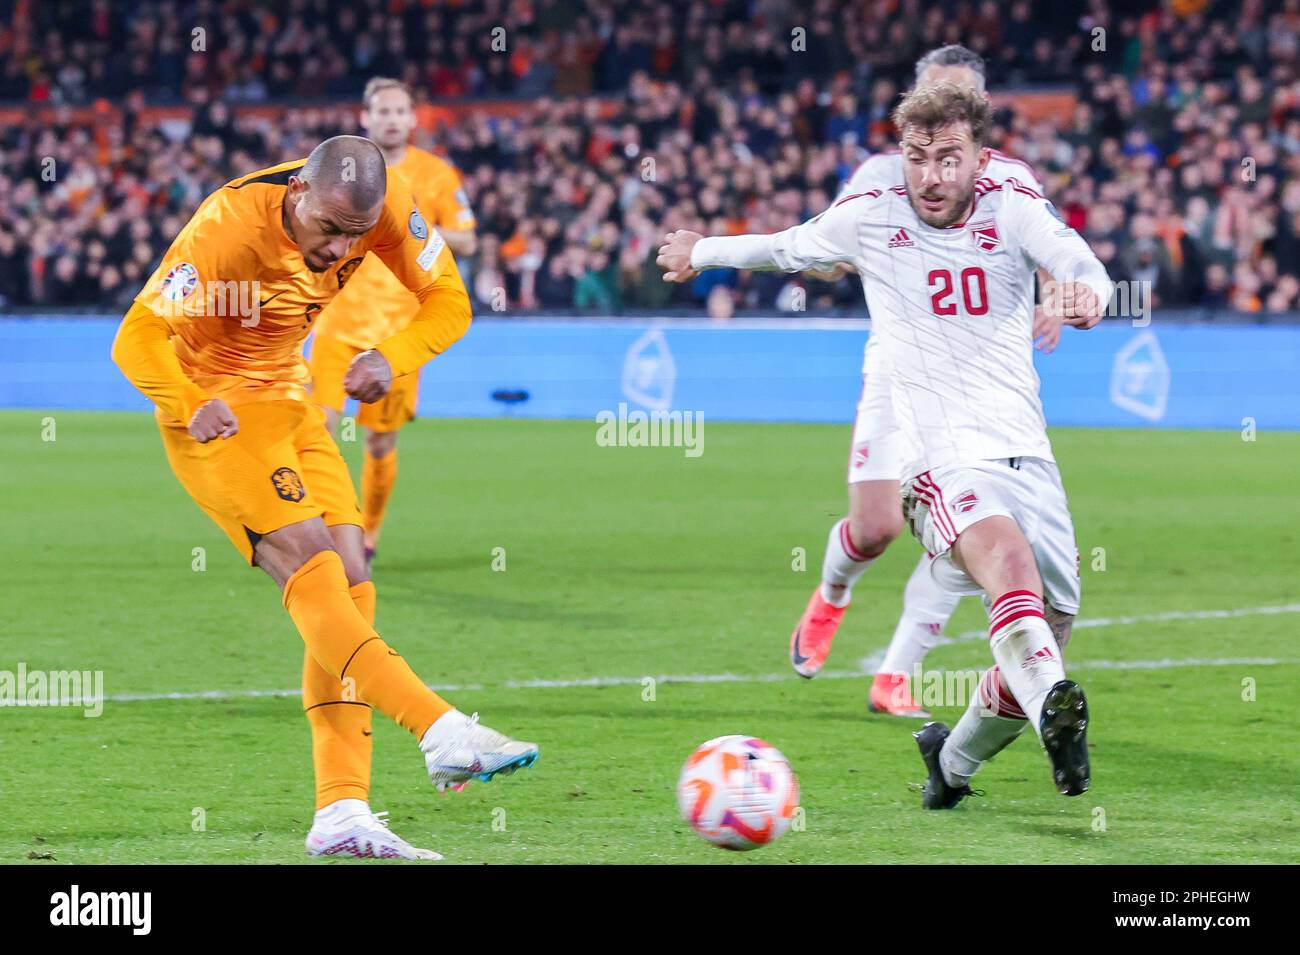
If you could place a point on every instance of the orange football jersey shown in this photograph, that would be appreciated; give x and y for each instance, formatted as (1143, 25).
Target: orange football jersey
(374, 304)
(239, 300)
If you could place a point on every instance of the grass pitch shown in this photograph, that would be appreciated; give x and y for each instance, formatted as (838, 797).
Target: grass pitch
(622, 564)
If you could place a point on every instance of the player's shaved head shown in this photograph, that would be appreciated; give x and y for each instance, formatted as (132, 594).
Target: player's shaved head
(350, 167)
(951, 64)
(335, 198)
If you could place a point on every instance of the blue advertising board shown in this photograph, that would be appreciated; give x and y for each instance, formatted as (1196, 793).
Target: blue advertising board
(1163, 375)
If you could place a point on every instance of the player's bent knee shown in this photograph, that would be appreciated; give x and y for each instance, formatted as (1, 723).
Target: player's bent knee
(350, 543)
(872, 533)
(875, 517)
(995, 553)
(281, 553)
(380, 444)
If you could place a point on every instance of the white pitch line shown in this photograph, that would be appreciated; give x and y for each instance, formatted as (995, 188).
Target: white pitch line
(1162, 664)
(868, 665)
(1168, 664)
(603, 681)
(248, 694)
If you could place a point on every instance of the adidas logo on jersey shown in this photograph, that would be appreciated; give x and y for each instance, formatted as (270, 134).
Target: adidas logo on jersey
(901, 240)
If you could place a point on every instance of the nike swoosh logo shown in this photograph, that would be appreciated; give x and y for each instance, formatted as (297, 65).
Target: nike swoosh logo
(795, 655)
(365, 732)
(276, 295)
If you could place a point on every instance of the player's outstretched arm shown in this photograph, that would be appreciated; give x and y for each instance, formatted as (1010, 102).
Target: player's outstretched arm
(820, 243)
(675, 255)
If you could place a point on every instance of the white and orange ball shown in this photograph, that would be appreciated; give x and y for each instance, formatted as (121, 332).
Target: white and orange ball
(738, 792)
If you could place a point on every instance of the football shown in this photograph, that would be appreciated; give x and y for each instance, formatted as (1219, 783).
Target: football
(738, 792)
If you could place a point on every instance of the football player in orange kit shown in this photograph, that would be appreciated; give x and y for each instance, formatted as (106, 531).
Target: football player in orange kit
(214, 339)
(375, 304)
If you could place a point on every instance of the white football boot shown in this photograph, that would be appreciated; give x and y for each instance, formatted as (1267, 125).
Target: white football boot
(457, 749)
(349, 828)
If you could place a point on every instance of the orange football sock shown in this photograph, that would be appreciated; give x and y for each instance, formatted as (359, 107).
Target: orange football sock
(349, 650)
(378, 475)
(341, 743)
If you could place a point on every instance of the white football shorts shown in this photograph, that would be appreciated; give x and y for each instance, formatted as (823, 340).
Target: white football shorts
(877, 451)
(942, 503)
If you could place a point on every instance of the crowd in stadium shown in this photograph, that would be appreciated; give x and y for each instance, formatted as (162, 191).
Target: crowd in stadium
(1180, 162)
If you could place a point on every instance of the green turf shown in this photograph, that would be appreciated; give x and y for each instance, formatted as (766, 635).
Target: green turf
(626, 563)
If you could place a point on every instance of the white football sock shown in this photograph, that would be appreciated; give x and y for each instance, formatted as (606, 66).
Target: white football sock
(926, 608)
(989, 725)
(1025, 649)
(337, 814)
(842, 566)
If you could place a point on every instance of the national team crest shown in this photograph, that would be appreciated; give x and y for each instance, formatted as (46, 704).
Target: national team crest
(288, 485)
(985, 236)
(346, 269)
(965, 502)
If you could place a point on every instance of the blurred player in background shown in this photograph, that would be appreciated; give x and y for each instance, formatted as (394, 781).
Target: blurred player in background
(875, 459)
(373, 304)
(947, 261)
(215, 340)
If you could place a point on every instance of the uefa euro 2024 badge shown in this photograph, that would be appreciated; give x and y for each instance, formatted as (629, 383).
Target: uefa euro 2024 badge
(180, 282)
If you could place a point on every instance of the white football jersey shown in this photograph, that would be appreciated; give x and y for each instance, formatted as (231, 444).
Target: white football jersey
(884, 170)
(952, 308)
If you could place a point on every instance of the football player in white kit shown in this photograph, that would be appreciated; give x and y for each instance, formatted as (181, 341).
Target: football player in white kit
(875, 460)
(947, 262)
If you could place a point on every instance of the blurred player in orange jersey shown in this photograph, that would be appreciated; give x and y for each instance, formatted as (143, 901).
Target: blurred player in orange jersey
(215, 340)
(375, 304)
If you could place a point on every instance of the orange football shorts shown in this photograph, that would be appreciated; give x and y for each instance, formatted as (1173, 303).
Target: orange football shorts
(281, 468)
(329, 362)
